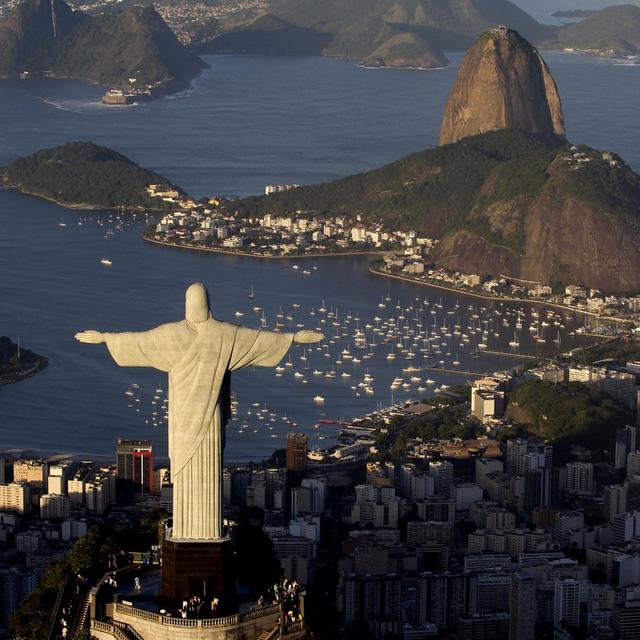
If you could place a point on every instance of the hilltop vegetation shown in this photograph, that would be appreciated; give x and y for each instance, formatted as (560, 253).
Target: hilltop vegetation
(39, 37)
(83, 175)
(500, 203)
(568, 413)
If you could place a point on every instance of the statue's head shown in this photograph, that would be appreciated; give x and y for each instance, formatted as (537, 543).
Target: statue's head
(197, 303)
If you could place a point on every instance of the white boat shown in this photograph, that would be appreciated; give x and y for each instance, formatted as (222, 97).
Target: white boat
(238, 314)
(106, 262)
(318, 399)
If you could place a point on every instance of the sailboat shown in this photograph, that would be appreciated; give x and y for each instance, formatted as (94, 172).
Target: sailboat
(515, 342)
(252, 294)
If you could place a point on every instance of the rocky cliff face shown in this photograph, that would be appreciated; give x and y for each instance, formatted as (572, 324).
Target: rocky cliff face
(503, 83)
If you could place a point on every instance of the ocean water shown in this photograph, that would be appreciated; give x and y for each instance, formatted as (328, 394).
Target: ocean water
(245, 123)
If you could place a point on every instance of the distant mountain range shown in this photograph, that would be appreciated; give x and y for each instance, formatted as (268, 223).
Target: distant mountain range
(414, 33)
(515, 200)
(130, 48)
(614, 29)
(134, 43)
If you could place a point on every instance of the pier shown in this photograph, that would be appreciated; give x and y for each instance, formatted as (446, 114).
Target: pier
(459, 372)
(511, 354)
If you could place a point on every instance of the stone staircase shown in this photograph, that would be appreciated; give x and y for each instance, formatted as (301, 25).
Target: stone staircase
(83, 612)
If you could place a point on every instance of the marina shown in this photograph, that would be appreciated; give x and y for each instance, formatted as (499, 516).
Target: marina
(391, 343)
(219, 142)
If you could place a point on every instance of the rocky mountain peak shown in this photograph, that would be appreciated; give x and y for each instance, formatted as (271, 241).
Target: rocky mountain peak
(503, 83)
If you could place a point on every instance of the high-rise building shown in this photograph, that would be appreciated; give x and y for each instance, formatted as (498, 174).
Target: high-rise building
(240, 481)
(15, 584)
(54, 505)
(625, 620)
(516, 450)
(297, 449)
(440, 599)
(626, 527)
(580, 478)
(135, 468)
(370, 598)
(566, 602)
(32, 471)
(615, 501)
(633, 463)
(523, 607)
(488, 591)
(484, 626)
(57, 482)
(15, 497)
(625, 444)
(442, 473)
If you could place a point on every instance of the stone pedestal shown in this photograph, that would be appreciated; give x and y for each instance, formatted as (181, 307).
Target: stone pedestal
(202, 568)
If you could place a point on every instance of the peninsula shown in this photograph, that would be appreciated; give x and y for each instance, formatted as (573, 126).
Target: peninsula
(613, 32)
(17, 363)
(514, 200)
(83, 175)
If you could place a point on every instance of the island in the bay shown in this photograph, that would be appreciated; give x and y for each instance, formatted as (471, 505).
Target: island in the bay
(83, 175)
(18, 363)
(133, 51)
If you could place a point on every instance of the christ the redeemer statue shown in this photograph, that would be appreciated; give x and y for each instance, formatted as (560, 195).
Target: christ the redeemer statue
(198, 353)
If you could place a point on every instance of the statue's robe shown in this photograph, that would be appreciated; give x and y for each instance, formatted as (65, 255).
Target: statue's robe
(198, 358)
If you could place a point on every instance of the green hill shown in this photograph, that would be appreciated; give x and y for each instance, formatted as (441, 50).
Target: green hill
(42, 36)
(499, 203)
(267, 35)
(613, 30)
(568, 413)
(83, 175)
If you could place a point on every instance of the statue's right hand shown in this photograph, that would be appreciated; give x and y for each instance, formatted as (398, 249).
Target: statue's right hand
(89, 337)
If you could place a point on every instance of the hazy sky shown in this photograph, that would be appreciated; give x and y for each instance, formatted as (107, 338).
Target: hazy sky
(549, 6)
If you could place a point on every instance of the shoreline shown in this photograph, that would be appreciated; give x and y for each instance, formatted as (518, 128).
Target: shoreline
(17, 376)
(480, 296)
(85, 206)
(257, 256)
(377, 272)
(167, 88)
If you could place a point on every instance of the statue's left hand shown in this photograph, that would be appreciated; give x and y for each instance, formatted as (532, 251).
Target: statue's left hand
(308, 337)
(90, 337)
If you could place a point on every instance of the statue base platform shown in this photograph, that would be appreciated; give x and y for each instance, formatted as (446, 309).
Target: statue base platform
(198, 568)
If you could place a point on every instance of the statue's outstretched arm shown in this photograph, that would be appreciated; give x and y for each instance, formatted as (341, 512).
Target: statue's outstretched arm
(90, 337)
(308, 337)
